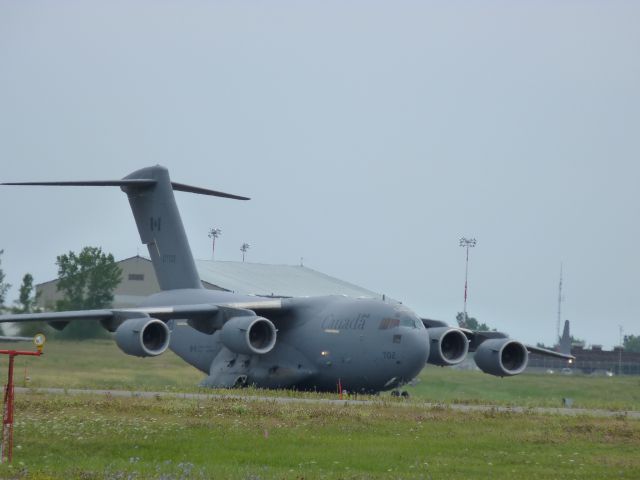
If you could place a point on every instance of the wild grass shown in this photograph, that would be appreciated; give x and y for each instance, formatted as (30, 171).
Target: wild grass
(105, 437)
(437, 384)
(100, 364)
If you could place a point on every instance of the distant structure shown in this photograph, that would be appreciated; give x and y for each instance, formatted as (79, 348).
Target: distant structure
(466, 243)
(559, 306)
(564, 346)
(592, 360)
(139, 281)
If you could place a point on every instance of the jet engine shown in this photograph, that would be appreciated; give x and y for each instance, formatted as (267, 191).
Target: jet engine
(248, 335)
(501, 357)
(143, 337)
(449, 346)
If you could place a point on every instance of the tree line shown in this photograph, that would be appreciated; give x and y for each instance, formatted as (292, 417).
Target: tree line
(86, 280)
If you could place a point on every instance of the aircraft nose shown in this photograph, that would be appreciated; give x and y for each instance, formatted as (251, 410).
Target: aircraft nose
(417, 350)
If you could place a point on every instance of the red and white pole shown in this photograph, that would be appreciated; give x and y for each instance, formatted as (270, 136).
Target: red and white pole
(6, 448)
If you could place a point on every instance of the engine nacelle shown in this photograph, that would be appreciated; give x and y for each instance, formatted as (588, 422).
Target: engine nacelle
(448, 346)
(502, 357)
(143, 337)
(248, 335)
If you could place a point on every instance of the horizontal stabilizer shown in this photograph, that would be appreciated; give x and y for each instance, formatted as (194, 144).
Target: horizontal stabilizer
(181, 187)
(132, 183)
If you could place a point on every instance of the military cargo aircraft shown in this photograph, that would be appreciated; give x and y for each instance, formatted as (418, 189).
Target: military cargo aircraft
(311, 343)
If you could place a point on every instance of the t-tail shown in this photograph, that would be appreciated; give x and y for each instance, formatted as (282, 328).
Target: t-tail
(150, 193)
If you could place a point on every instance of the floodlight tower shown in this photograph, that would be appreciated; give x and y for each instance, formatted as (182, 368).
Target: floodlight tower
(466, 243)
(244, 248)
(620, 350)
(213, 234)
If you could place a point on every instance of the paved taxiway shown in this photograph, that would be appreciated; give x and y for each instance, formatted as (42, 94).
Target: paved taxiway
(257, 398)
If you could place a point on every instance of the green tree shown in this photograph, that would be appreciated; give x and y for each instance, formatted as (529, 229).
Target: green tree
(4, 287)
(27, 300)
(577, 341)
(631, 343)
(87, 281)
(471, 323)
(26, 303)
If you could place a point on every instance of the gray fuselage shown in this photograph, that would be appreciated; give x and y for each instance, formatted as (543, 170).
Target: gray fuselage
(365, 345)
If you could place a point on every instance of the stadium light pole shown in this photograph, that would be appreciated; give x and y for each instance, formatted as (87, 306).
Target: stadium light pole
(466, 243)
(244, 248)
(213, 234)
(620, 350)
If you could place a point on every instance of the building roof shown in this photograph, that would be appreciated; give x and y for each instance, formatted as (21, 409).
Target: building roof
(278, 280)
(253, 279)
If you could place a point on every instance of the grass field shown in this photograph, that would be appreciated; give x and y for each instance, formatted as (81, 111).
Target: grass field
(117, 438)
(529, 390)
(72, 437)
(100, 364)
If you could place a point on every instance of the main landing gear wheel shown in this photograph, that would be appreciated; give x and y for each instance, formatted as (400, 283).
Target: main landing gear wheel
(398, 393)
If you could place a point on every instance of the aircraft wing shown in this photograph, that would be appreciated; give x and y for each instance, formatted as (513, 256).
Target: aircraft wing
(549, 353)
(476, 338)
(161, 313)
(57, 316)
(15, 339)
(203, 317)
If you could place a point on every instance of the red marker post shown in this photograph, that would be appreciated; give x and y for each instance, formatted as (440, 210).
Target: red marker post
(6, 449)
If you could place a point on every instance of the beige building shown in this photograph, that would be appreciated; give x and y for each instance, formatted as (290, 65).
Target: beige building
(139, 281)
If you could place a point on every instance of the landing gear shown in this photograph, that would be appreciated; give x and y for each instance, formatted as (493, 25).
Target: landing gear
(240, 382)
(398, 393)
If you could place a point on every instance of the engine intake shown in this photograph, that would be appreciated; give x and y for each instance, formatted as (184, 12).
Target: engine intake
(449, 346)
(249, 335)
(143, 337)
(502, 357)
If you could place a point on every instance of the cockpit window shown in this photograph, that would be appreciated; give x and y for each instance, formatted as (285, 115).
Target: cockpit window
(387, 323)
(407, 322)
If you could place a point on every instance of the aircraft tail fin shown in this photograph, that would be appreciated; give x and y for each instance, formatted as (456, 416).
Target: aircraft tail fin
(150, 193)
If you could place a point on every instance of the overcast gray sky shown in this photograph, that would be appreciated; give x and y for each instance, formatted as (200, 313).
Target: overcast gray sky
(370, 135)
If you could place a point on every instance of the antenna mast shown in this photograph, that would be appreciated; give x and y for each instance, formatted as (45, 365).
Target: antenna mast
(559, 320)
